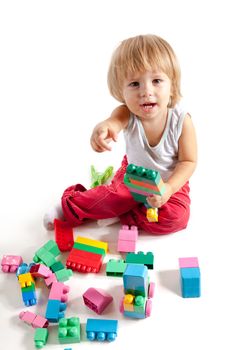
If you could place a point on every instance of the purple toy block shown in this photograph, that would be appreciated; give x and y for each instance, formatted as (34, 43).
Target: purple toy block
(97, 299)
(127, 239)
(10, 263)
(36, 321)
(188, 262)
(40, 270)
(49, 280)
(59, 291)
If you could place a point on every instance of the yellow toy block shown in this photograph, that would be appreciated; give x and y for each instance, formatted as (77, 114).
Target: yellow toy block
(92, 242)
(128, 302)
(25, 280)
(152, 214)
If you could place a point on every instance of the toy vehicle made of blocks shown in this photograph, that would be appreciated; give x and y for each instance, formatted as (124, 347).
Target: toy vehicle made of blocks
(138, 292)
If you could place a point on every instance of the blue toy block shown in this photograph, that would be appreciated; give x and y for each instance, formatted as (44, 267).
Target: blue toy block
(29, 297)
(101, 330)
(135, 279)
(55, 310)
(190, 282)
(134, 314)
(24, 268)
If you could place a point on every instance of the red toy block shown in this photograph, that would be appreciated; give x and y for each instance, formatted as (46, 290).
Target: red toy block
(36, 321)
(40, 270)
(97, 299)
(59, 291)
(10, 263)
(63, 235)
(82, 261)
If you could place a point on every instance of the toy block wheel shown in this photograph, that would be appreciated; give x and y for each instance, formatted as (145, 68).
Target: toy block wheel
(122, 306)
(151, 290)
(148, 307)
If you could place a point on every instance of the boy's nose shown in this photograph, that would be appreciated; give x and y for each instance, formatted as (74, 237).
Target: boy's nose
(146, 91)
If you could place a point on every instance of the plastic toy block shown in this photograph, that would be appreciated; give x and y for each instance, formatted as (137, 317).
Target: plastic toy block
(25, 280)
(92, 242)
(29, 298)
(133, 314)
(40, 270)
(63, 235)
(141, 258)
(97, 178)
(24, 268)
(127, 239)
(128, 302)
(69, 330)
(10, 263)
(89, 248)
(59, 291)
(152, 214)
(52, 247)
(82, 261)
(63, 275)
(115, 267)
(40, 337)
(55, 310)
(57, 266)
(47, 258)
(97, 299)
(36, 321)
(188, 262)
(135, 279)
(190, 282)
(29, 288)
(49, 280)
(101, 329)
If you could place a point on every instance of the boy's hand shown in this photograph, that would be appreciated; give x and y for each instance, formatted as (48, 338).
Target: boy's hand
(101, 136)
(156, 201)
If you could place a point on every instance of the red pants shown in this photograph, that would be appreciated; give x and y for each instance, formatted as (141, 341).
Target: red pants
(113, 200)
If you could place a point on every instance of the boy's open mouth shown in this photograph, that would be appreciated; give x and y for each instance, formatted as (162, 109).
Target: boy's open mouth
(147, 106)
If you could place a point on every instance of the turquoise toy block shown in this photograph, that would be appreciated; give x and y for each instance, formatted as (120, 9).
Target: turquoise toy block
(101, 329)
(55, 310)
(115, 267)
(63, 275)
(141, 258)
(134, 314)
(52, 247)
(190, 282)
(29, 297)
(69, 330)
(135, 279)
(57, 266)
(40, 337)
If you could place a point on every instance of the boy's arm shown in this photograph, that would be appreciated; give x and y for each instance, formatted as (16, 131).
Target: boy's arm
(187, 160)
(107, 130)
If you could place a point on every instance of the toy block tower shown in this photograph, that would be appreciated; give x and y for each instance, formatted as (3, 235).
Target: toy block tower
(87, 255)
(190, 277)
(127, 239)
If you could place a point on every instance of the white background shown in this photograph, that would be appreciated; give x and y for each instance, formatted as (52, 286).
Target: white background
(54, 58)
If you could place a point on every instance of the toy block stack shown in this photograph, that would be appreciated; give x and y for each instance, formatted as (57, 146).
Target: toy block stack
(141, 258)
(190, 277)
(87, 255)
(57, 301)
(127, 239)
(28, 289)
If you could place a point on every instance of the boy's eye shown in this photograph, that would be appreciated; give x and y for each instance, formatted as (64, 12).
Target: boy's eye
(134, 84)
(157, 81)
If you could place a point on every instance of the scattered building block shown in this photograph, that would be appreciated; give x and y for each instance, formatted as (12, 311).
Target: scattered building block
(63, 235)
(115, 267)
(69, 330)
(55, 310)
(190, 277)
(40, 337)
(97, 299)
(101, 330)
(36, 321)
(127, 239)
(141, 258)
(40, 270)
(10, 263)
(59, 291)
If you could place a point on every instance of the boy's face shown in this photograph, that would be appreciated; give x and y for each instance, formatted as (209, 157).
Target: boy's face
(147, 94)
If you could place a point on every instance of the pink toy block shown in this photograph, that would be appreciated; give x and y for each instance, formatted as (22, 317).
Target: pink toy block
(188, 262)
(97, 299)
(49, 280)
(40, 270)
(127, 239)
(59, 291)
(10, 263)
(36, 321)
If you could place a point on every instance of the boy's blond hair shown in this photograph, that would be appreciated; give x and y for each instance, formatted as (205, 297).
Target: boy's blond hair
(140, 53)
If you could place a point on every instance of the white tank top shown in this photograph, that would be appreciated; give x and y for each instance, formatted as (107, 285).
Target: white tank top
(164, 156)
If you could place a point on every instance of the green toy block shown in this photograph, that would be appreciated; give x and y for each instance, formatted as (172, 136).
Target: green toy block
(69, 330)
(142, 188)
(140, 304)
(143, 174)
(29, 288)
(40, 337)
(141, 258)
(115, 267)
(63, 275)
(57, 266)
(88, 248)
(44, 256)
(52, 247)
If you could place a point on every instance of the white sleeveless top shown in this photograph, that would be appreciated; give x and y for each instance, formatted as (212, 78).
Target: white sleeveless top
(164, 156)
